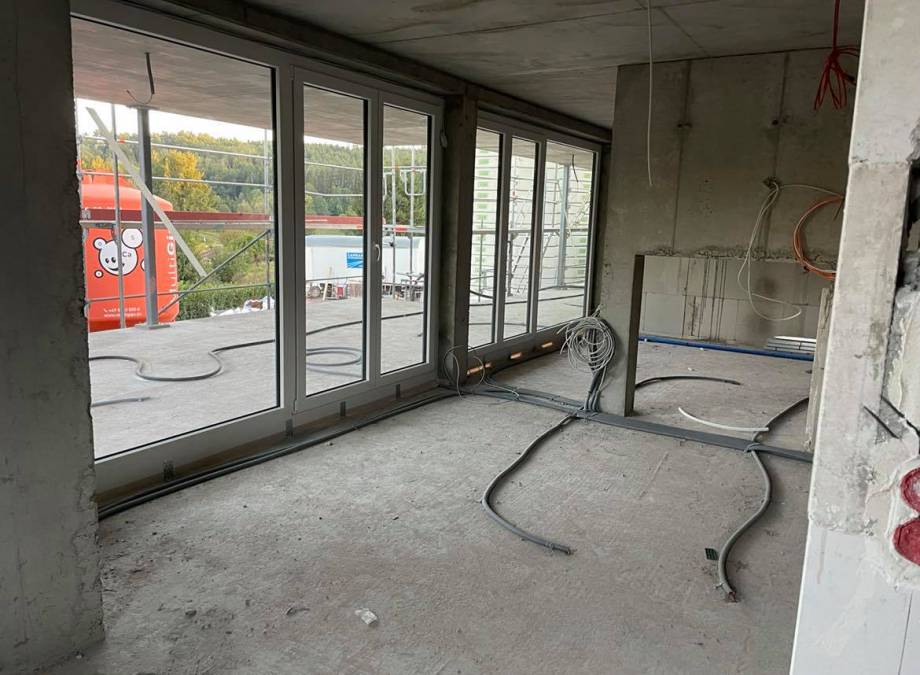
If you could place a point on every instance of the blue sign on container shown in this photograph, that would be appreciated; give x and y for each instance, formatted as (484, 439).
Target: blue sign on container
(354, 259)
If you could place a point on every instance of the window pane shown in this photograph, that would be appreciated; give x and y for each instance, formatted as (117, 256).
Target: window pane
(569, 180)
(335, 238)
(483, 263)
(520, 233)
(403, 333)
(207, 269)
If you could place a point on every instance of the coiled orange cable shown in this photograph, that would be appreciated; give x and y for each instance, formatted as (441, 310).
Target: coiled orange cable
(798, 247)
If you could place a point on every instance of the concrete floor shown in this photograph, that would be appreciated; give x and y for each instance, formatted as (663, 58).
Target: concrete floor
(768, 385)
(262, 571)
(247, 383)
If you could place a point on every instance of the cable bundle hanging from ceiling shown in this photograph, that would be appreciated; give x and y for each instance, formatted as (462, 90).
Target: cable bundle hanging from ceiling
(835, 79)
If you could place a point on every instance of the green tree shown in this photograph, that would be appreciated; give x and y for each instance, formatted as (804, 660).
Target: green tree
(185, 195)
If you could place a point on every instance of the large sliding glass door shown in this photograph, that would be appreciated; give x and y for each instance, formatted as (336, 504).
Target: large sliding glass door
(568, 210)
(535, 194)
(519, 237)
(177, 176)
(404, 253)
(365, 190)
(258, 236)
(484, 242)
(335, 239)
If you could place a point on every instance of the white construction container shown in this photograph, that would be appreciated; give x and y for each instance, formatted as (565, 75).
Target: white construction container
(340, 258)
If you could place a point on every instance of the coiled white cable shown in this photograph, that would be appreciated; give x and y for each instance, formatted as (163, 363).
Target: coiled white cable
(744, 280)
(589, 344)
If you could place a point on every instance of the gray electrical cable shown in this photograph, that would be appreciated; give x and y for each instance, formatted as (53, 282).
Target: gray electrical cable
(115, 401)
(508, 525)
(591, 346)
(140, 366)
(572, 407)
(670, 378)
(726, 548)
(353, 354)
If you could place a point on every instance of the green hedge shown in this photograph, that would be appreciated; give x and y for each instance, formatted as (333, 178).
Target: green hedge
(202, 302)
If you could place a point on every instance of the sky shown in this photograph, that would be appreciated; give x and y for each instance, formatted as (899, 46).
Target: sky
(126, 122)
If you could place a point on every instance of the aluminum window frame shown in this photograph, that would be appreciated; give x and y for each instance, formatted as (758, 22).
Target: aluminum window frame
(509, 129)
(497, 258)
(145, 463)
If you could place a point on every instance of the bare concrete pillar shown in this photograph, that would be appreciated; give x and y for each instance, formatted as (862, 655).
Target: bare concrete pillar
(852, 619)
(49, 577)
(621, 306)
(639, 217)
(460, 119)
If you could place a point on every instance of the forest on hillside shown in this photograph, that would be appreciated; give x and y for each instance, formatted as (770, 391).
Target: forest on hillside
(235, 185)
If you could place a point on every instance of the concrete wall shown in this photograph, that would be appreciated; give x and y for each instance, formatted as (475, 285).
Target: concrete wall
(720, 127)
(49, 577)
(700, 299)
(855, 608)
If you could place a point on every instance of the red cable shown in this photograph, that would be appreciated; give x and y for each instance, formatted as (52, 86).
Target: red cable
(835, 78)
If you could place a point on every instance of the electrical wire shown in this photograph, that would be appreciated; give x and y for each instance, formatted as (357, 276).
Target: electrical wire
(744, 276)
(352, 356)
(725, 550)
(798, 247)
(572, 407)
(590, 346)
(486, 500)
(151, 84)
(719, 425)
(671, 378)
(834, 78)
(141, 372)
(115, 401)
(456, 379)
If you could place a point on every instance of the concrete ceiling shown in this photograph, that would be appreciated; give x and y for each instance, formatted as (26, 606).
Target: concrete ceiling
(563, 54)
(109, 62)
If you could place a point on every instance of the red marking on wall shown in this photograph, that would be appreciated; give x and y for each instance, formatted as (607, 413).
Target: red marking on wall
(910, 488)
(906, 538)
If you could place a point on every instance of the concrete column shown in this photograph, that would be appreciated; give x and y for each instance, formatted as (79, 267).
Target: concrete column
(851, 620)
(49, 576)
(638, 218)
(457, 180)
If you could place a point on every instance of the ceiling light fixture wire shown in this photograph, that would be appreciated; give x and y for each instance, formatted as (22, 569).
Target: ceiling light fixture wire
(151, 84)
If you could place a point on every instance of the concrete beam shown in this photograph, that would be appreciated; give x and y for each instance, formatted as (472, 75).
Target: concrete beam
(49, 573)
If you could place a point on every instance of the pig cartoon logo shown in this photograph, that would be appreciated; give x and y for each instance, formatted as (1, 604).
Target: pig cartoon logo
(131, 239)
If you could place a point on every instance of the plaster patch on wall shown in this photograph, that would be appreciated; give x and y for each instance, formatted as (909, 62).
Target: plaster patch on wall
(888, 515)
(903, 360)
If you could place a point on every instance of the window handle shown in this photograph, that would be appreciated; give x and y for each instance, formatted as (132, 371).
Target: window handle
(377, 251)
